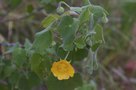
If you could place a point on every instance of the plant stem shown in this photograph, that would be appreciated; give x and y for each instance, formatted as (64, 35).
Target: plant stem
(66, 55)
(62, 2)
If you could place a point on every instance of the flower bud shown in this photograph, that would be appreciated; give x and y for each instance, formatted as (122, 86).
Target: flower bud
(104, 19)
(60, 10)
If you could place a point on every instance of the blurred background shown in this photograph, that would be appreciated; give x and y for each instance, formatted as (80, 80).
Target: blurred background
(21, 19)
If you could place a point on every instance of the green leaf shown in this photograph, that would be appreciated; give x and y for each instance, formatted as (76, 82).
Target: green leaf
(75, 55)
(90, 86)
(43, 40)
(43, 71)
(85, 15)
(27, 45)
(97, 38)
(28, 83)
(95, 46)
(78, 54)
(33, 80)
(19, 56)
(40, 65)
(99, 33)
(35, 61)
(23, 84)
(14, 78)
(67, 29)
(8, 69)
(60, 52)
(49, 19)
(54, 84)
(80, 42)
(98, 12)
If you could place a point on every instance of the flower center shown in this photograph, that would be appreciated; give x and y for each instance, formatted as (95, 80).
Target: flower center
(62, 68)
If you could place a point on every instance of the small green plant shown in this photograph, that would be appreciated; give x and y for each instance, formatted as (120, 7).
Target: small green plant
(62, 56)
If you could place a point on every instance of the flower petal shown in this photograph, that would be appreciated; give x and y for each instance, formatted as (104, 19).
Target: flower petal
(62, 70)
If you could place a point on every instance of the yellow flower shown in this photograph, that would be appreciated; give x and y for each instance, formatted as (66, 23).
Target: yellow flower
(62, 69)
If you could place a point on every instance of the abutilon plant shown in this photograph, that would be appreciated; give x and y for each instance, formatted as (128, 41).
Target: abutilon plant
(64, 54)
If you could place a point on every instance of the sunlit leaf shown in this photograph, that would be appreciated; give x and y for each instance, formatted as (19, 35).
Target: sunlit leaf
(49, 19)
(85, 15)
